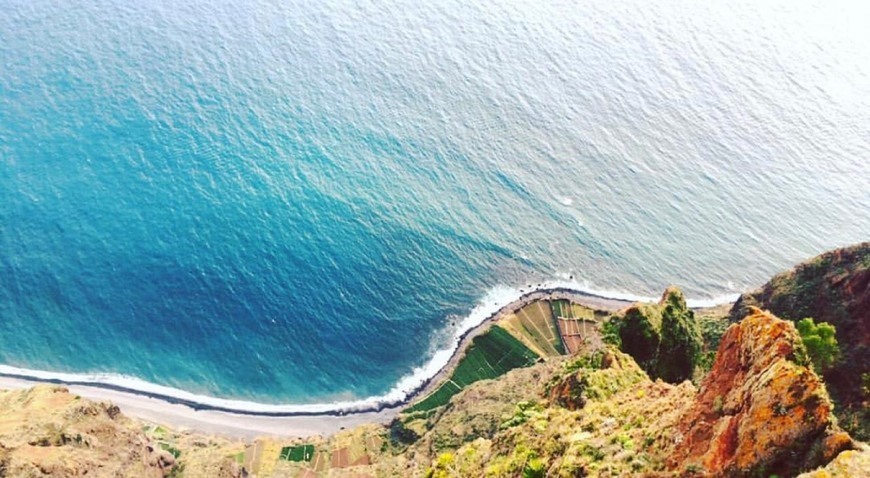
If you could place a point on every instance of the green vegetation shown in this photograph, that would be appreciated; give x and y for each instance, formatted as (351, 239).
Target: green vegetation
(713, 325)
(610, 332)
(490, 355)
(177, 471)
(591, 361)
(640, 334)
(175, 452)
(400, 435)
(821, 343)
(524, 411)
(297, 453)
(664, 339)
(681, 343)
(535, 468)
(523, 461)
(595, 376)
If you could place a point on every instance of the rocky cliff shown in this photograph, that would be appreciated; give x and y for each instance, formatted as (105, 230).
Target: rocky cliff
(761, 410)
(834, 288)
(46, 431)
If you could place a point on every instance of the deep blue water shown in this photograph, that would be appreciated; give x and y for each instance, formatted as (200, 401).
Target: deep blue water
(295, 201)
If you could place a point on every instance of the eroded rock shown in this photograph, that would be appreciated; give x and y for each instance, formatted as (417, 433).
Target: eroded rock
(761, 410)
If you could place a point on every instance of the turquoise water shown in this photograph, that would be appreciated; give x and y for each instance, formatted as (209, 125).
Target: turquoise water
(300, 202)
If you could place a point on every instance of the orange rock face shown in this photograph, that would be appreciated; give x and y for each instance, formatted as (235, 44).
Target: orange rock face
(760, 410)
(833, 287)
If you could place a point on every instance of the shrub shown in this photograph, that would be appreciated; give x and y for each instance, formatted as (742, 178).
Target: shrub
(401, 435)
(535, 468)
(820, 342)
(680, 347)
(522, 412)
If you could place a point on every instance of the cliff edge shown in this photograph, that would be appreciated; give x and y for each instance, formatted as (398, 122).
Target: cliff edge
(761, 410)
(833, 287)
(47, 431)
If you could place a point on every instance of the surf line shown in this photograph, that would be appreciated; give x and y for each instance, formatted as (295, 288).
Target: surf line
(499, 301)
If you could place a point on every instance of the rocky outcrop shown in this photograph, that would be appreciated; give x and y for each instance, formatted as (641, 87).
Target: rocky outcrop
(664, 339)
(596, 376)
(834, 288)
(47, 431)
(761, 410)
(849, 464)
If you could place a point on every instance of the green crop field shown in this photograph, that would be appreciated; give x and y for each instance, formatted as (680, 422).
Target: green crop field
(561, 308)
(490, 355)
(582, 312)
(297, 453)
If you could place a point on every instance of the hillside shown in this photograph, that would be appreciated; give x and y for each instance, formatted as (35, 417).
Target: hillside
(833, 287)
(46, 431)
(760, 411)
(548, 387)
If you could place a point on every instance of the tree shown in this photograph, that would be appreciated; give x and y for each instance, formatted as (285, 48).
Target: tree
(821, 343)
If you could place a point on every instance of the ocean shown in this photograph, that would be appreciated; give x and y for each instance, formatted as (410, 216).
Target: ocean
(304, 203)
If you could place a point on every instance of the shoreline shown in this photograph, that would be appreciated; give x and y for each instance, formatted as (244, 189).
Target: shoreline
(183, 418)
(593, 301)
(227, 420)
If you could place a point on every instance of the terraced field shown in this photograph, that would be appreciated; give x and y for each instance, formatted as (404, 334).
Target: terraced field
(576, 325)
(534, 326)
(490, 355)
(539, 329)
(336, 456)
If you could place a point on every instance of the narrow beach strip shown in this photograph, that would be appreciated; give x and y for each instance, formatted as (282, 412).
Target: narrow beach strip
(237, 418)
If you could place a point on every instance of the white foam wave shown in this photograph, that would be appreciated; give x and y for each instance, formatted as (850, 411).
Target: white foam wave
(496, 299)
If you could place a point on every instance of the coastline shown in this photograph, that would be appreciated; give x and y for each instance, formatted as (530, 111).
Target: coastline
(181, 409)
(590, 300)
(231, 425)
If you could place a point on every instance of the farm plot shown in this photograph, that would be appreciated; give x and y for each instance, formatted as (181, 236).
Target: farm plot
(539, 326)
(490, 355)
(576, 324)
(297, 453)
